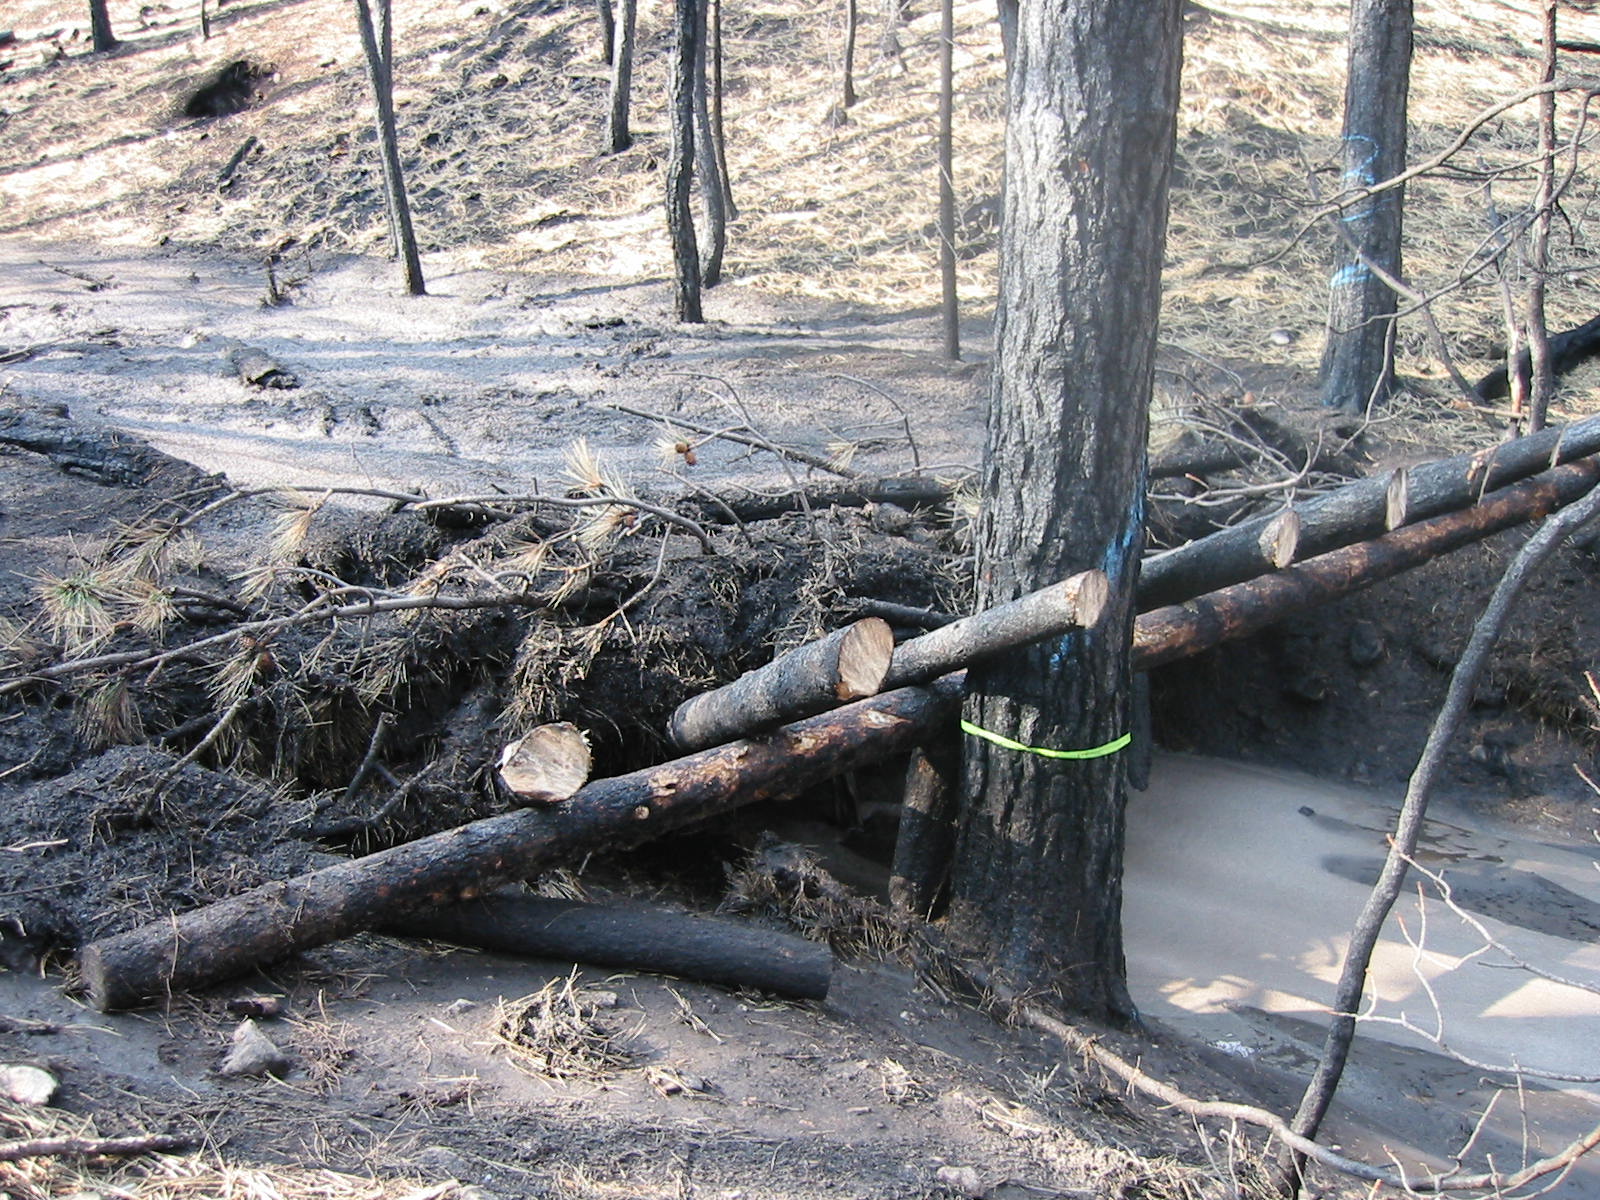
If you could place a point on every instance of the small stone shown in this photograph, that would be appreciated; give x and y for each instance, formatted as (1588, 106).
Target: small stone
(23, 1084)
(253, 1053)
(965, 1179)
(1282, 337)
(1365, 646)
(457, 1007)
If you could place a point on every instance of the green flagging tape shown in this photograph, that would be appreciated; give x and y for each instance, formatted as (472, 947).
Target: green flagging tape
(1093, 752)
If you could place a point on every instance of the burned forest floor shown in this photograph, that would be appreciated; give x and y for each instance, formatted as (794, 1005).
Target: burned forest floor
(287, 559)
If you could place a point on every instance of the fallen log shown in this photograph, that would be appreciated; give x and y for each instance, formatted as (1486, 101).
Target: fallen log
(845, 665)
(229, 937)
(1074, 603)
(1167, 634)
(259, 369)
(1361, 510)
(701, 948)
(1567, 349)
(102, 454)
(927, 836)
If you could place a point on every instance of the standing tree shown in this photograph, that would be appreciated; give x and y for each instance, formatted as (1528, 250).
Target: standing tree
(708, 164)
(618, 136)
(378, 74)
(608, 30)
(680, 160)
(100, 26)
(1358, 357)
(948, 305)
(1091, 118)
(847, 94)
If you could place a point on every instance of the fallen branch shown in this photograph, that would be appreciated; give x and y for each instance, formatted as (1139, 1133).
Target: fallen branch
(638, 939)
(78, 1147)
(1361, 510)
(227, 938)
(1178, 631)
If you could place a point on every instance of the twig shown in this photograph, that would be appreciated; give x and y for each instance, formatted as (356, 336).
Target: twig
(60, 1147)
(744, 439)
(384, 723)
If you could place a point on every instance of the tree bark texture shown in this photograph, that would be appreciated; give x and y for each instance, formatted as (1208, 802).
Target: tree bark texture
(618, 136)
(227, 938)
(632, 938)
(680, 161)
(1179, 631)
(847, 93)
(719, 133)
(927, 829)
(949, 304)
(1093, 92)
(1358, 356)
(100, 27)
(1541, 374)
(393, 177)
(846, 665)
(1361, 510)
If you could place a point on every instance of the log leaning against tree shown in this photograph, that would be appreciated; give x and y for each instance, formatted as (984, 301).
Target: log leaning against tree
(228, 938)
(1567, 349)
(1360, 510)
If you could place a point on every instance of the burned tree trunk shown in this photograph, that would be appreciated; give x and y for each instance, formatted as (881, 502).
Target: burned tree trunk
(100, 27)
(231, 936)
(713, 192)
(618, 136)
(378, 75)
(949, 304)
(680, 162)
(1358, 358)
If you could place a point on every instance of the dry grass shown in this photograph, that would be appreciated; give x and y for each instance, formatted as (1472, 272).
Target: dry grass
(559, 1032)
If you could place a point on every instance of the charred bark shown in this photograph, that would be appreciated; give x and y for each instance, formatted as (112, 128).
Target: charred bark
(680, 161)
(618, 135)
(378, 76)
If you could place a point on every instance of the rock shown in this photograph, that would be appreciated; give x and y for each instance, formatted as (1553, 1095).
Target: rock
(22, 1084)
(963, 1179)
(254, 1053)
(259, 1007)
(1365, 645)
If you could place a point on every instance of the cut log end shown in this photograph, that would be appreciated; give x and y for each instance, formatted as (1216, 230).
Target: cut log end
(548, 764)
(1280, 540)
(1397, 500)
(1093, 594)
(864, 656)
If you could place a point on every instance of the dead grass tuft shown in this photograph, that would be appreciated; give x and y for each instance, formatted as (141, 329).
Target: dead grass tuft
(559, 1033)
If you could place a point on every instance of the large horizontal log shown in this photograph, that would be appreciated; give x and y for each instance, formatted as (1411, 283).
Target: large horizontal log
(101, 454)
(1361, 510)
(228, 938)
(1075, 603)
(845, 665)
(637, 939)
(1167, 634)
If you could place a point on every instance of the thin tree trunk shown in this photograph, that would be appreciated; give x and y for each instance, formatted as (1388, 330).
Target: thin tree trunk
(680, 163)
(393, 178)
(847, 96)
(1541, 369)
(1091, 117)
(718, 131)
(608, 30)
(949, 306)
(618, 136)
(100, 27)
(713, 193)
(205, 22)
(385, 18)
(1408, 828)
(1358, 357)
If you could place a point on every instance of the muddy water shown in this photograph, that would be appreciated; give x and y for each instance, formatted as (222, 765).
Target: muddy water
(1242, 884)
